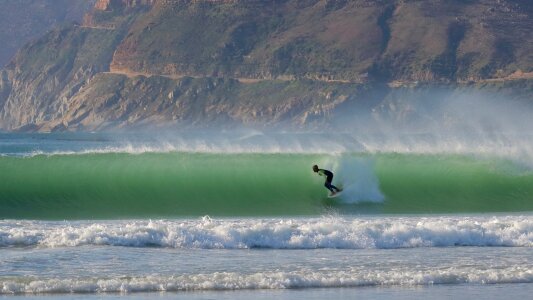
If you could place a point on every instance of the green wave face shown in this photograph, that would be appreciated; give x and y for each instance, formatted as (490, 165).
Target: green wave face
(99, 186)
(438, 184)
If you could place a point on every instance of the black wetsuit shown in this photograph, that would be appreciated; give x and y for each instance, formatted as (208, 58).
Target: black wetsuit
(329, 178)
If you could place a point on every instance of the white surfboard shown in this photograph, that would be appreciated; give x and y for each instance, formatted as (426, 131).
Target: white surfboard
(335, 195)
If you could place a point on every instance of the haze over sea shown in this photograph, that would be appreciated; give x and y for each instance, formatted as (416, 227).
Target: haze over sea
(240, 214)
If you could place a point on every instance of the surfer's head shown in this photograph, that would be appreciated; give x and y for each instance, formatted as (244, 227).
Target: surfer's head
(315, 168)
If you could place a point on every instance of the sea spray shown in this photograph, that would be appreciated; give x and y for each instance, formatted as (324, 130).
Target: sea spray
(358, 178)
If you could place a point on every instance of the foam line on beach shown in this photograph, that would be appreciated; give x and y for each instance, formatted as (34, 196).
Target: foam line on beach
(268, 280)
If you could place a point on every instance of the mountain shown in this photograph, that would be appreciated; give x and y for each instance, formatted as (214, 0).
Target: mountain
(24, 20)
(299, 63)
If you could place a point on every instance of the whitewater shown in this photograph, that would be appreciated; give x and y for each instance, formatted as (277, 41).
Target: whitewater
(241, 215)
(281, 233)
(204, 254)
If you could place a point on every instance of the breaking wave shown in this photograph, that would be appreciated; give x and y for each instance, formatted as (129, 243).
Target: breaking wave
(267, 280)
(332, 232)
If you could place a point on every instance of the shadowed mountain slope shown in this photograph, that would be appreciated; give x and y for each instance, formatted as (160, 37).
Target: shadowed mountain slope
(23, 20)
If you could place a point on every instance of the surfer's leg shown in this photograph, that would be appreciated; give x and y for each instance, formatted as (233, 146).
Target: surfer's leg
(329, 186)
(332, 186)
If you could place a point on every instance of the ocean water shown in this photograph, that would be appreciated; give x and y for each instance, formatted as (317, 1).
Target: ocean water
(236, 216)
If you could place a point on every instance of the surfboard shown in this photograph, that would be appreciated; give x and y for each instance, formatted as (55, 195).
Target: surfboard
(335, 195)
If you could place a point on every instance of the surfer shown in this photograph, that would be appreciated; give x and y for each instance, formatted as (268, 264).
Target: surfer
(329, 177)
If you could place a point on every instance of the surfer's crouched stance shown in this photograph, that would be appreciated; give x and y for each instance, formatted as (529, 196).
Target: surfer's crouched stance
(329, 177)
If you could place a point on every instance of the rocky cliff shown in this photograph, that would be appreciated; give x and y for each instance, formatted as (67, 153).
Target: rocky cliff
(262, 63)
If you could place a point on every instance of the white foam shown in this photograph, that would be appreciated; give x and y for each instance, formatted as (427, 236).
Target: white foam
(333, 232)
(353, 277)
(356, 176)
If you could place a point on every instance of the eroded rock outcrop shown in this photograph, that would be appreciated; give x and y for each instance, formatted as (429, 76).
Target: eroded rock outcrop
(108, 5)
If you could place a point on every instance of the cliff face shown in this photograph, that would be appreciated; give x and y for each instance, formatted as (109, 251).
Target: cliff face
(211, 62)
(118, 101)
(48, 72)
